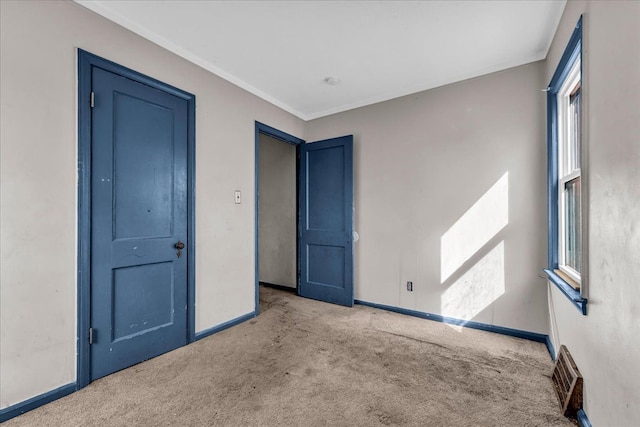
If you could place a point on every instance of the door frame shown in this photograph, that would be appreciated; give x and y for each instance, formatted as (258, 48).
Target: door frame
(86, 62)
(261, 128)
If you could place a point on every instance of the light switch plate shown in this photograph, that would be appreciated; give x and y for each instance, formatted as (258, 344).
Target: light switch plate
(237, 197)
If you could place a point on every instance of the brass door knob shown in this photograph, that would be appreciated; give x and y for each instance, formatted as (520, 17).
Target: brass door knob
(179, 245)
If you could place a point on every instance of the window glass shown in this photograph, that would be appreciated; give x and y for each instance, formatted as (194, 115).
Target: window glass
(572, 220)
(575, 100)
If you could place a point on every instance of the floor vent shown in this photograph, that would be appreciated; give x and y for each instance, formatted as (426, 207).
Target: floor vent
(568, 383)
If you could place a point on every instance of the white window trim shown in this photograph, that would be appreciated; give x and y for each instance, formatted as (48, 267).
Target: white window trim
(564, 175)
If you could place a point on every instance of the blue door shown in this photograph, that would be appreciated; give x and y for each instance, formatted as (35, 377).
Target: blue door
(138, 222)
(326, 220)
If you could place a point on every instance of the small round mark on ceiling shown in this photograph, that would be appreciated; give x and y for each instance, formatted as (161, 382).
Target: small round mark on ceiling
(331, 81)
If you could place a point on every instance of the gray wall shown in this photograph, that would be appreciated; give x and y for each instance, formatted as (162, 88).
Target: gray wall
(38, 150)
(450, 194)
(606, 343)
(277, 202)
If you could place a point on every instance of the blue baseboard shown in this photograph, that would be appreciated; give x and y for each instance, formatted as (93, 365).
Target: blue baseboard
(34, 402)
(226, 325)
(22, 407)
(552, 351)
(532, 336)
(583, 421)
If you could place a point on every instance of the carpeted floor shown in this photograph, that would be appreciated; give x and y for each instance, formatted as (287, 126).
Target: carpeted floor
(307, 363)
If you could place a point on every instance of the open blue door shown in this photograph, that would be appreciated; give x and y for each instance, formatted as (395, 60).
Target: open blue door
(326, 220)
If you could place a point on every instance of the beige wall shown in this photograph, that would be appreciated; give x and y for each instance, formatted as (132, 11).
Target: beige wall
(277, 201)
(39, 184)
(450, 184)
(606, 343)
(450, 193)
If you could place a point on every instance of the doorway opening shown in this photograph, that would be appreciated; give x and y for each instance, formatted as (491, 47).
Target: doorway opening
(277, 168)
(324, 215)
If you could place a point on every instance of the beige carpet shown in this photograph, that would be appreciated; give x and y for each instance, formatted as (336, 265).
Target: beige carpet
(307, 363)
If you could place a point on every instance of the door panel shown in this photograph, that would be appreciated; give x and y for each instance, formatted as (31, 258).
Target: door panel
(326, 204)
(138, 214)
(141, 163)
(142, 292)
(326, 266)
(326, 189)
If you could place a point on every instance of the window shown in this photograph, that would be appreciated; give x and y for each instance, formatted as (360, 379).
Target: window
(569, 236)
(565, 183)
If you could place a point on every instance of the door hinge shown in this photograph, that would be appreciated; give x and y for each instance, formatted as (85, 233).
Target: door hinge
(93, 96)
(90, 335)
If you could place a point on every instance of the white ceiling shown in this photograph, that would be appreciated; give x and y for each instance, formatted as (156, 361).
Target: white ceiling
(282, 51)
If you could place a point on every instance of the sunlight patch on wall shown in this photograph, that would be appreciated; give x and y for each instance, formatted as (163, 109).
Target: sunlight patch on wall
(479, 287)
(475, 228)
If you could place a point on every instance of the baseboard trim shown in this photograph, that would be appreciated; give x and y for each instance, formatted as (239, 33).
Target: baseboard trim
(583, 421)
(35, 402)
(532, 336)
(551, 349)
(279, 287)
(225, 325)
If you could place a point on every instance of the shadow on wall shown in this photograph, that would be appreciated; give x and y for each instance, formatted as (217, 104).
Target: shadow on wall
(474, 284)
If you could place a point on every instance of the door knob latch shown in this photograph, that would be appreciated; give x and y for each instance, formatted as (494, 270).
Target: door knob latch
(179, 246)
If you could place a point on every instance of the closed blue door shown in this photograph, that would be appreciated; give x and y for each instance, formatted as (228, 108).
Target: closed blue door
(326, 220)
(138, 222)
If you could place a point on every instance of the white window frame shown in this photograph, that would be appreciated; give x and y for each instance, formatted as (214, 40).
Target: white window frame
(566, 172)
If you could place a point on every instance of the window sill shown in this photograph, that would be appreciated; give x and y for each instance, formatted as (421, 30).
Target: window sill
(574, 295)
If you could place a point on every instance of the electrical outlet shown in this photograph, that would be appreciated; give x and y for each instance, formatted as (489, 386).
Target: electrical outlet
(410, 286)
